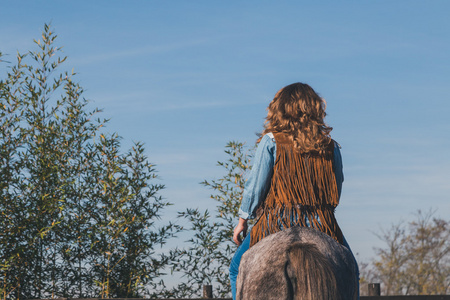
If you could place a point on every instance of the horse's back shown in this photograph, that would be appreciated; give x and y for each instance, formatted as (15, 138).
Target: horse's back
(297, 263)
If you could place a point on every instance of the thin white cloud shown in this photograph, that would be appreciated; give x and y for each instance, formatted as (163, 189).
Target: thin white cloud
(132, 52)
(145, 100)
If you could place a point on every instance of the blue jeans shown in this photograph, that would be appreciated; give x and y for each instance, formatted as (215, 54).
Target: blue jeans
(236, 260)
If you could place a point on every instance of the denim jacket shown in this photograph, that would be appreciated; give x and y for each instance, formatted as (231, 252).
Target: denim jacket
(258, 183)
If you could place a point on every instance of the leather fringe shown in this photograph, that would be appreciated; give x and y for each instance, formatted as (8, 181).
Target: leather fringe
(303, 192)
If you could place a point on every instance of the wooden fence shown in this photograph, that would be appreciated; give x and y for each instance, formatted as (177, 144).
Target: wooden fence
(373, 290)
(374, 294)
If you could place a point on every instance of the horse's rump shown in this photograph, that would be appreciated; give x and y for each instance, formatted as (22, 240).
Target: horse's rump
(300, 264)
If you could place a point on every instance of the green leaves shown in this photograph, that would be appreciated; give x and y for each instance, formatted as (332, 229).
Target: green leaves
(77, 213)
(207, 258)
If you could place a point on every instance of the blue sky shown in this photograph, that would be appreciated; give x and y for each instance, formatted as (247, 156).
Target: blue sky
(186, 77)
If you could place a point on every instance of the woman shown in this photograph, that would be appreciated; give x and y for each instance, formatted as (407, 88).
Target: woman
(296, 177)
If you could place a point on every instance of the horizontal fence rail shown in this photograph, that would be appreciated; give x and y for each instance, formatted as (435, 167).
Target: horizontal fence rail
(373, 289)
(423, 297)
(432, 297)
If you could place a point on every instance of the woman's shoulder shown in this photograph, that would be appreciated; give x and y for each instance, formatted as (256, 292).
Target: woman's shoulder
(268, 141)
(336, 148)
(337, 152)
(268, 138)
(336, 144)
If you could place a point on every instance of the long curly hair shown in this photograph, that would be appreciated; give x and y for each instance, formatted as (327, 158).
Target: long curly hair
(299, 112)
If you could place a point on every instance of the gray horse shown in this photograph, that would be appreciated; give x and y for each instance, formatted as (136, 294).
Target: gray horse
(298, 263)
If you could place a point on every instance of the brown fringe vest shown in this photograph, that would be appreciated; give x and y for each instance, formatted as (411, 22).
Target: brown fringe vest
(303, 192)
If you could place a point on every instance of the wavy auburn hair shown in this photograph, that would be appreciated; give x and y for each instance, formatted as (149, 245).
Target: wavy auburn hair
(299, 112)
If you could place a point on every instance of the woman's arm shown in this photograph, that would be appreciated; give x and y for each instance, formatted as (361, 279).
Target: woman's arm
(257, 185)
(337, 166)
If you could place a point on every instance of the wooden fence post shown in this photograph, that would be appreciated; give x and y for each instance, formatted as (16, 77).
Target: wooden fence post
(207, 291)
(374, 289)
